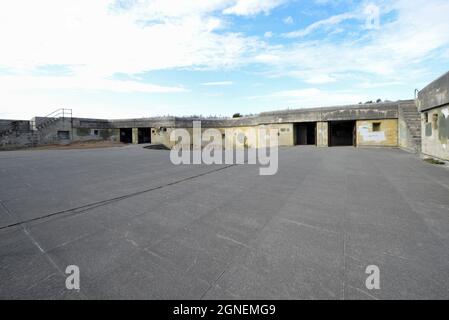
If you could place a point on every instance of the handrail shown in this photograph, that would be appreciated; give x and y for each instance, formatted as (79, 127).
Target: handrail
(58, 112)
(64, 112)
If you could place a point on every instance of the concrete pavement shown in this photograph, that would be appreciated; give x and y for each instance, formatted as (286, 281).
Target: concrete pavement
(223, 232)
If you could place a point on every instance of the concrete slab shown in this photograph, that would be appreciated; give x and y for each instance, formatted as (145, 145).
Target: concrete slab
(211, 232)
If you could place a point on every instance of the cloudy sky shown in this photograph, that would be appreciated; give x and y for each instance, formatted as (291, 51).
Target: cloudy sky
(141, 58)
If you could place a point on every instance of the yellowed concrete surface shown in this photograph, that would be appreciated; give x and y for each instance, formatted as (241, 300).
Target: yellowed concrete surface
(387, 136)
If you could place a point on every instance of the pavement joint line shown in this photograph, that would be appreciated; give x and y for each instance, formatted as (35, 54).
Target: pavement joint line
(93, 205)
(35, 243)
(229, 265)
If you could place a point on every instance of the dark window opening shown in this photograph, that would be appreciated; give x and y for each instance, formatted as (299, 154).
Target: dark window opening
(96, 132)
(435, 120)
(426, 117)
(64, 135)
(342, 133)
(305, 133)
(376, 126)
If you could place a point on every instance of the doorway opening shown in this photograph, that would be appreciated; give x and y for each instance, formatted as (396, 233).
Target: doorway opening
(126, 135)
(305, 133)
(144, 135)
(342, 133)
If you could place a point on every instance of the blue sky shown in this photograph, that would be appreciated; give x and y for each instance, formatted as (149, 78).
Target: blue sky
(142, 58)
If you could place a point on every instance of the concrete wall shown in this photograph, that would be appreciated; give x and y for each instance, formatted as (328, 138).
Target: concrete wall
(19, 125)
(409, 127)
(82, 129)
(231, 135)
(433, 102)
(387, 136)
(404, 135)
(436, 132)
(436, 94)
(322, 134)
(87, 134)
(18, 140)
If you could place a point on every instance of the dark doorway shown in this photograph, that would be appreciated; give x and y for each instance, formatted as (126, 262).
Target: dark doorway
(341, 133)
(144, 135)
(305, 133)
(126, 135)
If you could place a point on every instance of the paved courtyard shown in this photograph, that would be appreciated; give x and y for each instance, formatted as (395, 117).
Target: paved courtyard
(139, 227)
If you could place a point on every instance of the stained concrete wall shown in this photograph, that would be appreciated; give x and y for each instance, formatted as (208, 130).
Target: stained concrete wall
(231, 135)
(18, 140)
(433, 102)
(409, 127)
(404, 136)
(387, 136)
(82, 129)
(322, 134)
(436, 132)
(436, 94)
(87, 134)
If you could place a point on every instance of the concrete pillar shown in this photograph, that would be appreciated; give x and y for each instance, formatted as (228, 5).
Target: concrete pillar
(322, 134)
(135, 135)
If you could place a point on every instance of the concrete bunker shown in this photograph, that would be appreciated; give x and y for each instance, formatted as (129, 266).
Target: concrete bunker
(126, 135)
(305, 133)
(342, 133)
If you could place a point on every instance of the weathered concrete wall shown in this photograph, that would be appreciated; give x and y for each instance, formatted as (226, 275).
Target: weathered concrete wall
(435, 128)
(52, 133)
(135, 135)
(322, 134)
(386, 136)
(388, 110)
(404, 136)
(161, 135)
(86, 134)
(436, 94)
(433, 102)
(82, 129)
(409, 127)
(17, 140)
(285, 133)
(18, 125)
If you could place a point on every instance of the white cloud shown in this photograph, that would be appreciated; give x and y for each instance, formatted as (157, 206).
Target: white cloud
(99, 39)
(320, 79)
(30, 83)
(396, 51)
(288, 20)
(218, 83)
(252, 7)
(332, 21)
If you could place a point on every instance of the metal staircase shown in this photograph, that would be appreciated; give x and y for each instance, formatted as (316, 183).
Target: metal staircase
(56, 115)
(31, 131)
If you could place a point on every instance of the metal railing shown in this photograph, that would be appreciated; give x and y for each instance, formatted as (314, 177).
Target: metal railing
(65, 113)
(62, 113)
